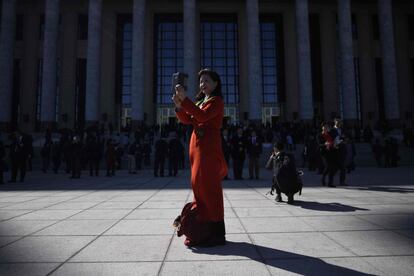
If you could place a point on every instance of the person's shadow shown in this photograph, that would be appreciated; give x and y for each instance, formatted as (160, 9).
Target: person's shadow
(328, 207)
(288, 261)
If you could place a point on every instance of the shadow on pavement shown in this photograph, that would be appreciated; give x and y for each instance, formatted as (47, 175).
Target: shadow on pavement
(288, 261)
(328, 207)
(390, 189)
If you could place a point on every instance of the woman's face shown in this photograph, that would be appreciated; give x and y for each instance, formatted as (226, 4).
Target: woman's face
(325, 128)
(207, 85)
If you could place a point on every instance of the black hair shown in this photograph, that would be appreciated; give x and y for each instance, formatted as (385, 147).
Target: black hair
(215, 77)
(279, 146)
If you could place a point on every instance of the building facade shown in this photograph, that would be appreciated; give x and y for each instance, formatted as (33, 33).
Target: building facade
(73, 63)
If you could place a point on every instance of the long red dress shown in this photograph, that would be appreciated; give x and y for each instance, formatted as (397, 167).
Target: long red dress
(208, 166)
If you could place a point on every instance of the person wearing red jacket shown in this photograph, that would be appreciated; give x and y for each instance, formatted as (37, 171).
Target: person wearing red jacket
(208, 166)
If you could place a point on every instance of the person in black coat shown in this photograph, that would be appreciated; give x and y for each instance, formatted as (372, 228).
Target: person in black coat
(76, 157)
(56, 156)
(254, 150)
(285, 174)
(18, 157)
(339, 135)
(28, 141)
(93, 151)
(174, 153)
(45, 154)
(146, 151)
(226, 146)
(138, 154)
(238, 154)
(161, 152)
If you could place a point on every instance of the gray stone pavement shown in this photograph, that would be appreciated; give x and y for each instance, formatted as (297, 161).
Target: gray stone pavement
(53, 225)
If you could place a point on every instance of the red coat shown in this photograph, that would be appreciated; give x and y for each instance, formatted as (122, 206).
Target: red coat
(208, 166)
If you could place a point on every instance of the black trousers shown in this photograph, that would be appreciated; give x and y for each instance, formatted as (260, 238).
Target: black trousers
(173, 166)
(330, 168)
(159, 165)
(16, 166)
(93, 166)
(76, 168)
(45, 163)
(238, 168)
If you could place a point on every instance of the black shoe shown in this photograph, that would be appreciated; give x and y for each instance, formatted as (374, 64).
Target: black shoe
(331, 185)
(278, 198)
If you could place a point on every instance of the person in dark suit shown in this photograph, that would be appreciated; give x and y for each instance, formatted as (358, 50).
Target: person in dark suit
(18, 157)
(138, 154)
(56, 156)
(238, 153)
(174, 153)
(226, 146)
(110, 158)
(93, 151)
(45, 154)
(161, 152)
(254, 150)
(339, 135)
(28, 141)
(76, 157)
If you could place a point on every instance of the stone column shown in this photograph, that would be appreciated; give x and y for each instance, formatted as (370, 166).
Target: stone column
(48, 107)
(369, 99)
(137, 78)
(329, 64)
(7, 32)
(254, 66)
(347, 60)
(386, 26)
(304, 61)
(93, 63)
(190, 32)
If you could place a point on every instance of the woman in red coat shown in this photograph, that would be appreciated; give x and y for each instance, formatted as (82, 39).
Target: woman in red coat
(208, 166)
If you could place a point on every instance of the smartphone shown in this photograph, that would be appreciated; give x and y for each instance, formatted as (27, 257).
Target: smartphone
(179, 78)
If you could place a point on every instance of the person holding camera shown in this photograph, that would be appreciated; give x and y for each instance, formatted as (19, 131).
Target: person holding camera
(285, 174)
(202, 220)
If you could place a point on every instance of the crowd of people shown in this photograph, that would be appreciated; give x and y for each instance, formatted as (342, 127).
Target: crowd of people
(157, 147)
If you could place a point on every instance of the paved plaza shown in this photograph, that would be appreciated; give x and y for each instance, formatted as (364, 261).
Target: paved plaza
(122, 226)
